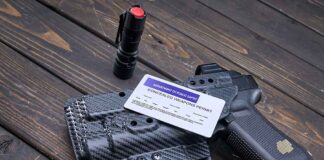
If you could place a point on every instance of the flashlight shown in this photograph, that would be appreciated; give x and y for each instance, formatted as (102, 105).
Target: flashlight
(131, 26)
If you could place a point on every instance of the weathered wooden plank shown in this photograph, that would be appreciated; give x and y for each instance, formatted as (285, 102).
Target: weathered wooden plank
(31, 104)
(308, 12)
(217, 33)
(12, 148)
(163, 46)
(272, 25)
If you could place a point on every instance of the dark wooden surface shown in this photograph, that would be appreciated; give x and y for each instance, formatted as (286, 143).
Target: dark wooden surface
(309, 13)
(51, 50)
(12, 147)
(274, 26)
(215, 34)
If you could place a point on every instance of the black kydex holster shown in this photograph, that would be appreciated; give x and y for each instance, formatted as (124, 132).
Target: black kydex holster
(100, 128)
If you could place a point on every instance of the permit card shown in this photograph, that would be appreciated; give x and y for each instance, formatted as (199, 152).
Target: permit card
(176, 105)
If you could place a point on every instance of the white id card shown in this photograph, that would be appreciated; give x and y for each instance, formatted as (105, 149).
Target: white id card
(176, 105)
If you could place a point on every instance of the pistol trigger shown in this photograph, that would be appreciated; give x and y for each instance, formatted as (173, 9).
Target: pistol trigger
(122, 18)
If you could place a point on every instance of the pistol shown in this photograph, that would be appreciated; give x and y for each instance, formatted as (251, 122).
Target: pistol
(100, 128)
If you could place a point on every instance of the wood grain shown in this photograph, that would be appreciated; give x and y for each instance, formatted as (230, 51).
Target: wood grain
(272, 25)
(31, 104)
(163, 45)
(75, 55)
(308, 12)
(210, 29)
(243, 47)
(12, 148)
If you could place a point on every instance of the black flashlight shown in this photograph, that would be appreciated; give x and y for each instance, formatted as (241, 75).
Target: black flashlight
(131, 26)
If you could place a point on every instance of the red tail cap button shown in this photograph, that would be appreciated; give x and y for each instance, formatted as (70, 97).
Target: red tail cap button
(137, 12)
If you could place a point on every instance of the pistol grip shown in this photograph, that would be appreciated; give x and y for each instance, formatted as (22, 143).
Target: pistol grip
(254, 138)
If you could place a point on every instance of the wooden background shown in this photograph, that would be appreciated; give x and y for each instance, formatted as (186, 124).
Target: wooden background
(51, 50)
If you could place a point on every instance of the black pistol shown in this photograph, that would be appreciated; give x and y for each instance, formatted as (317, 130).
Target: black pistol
(243, 127)
(100, 128)
(131, 26)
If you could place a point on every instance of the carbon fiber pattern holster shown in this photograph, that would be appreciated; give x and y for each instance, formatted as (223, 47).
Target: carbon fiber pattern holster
(101, 128)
